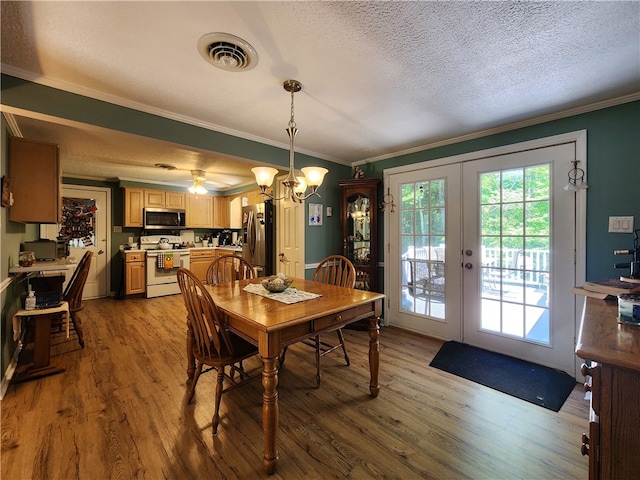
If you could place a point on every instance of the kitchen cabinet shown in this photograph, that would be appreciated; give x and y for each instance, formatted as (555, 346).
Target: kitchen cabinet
(200, 259)
(164, 199)
(134, 280)
(613, 374)
(359, 228)
(235, 213)
(221, 212)
(35, 174)
(199, 211)
(254, 197)
(133, 205)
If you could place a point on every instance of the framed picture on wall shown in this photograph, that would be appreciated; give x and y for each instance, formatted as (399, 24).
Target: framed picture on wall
(315, 214)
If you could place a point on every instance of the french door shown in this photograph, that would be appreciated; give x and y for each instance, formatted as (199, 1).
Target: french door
(483, 253)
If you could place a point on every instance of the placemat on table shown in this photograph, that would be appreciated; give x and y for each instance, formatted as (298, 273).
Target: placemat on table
(290, 295)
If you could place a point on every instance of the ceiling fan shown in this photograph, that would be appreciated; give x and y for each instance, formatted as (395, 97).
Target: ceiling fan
(199, 177)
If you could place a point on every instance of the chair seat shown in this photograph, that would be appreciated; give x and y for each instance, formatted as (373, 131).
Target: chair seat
(241, 350)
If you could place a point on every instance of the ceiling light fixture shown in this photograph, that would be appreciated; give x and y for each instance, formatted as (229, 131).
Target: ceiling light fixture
(295, 183)
(197, 188)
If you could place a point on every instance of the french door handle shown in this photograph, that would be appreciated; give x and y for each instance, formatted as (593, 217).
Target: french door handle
(468, 266)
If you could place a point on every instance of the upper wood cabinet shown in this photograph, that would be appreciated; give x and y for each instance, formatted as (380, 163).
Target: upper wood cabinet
(199, 211)
(221, 212)
(133, 205)
(35, 174)
(235, 213)
(164, 199)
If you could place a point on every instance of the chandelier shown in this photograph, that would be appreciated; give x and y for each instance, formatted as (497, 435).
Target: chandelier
(295, 184)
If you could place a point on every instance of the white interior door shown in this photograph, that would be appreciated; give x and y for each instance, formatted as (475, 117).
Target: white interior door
(519, 243)
(290, 224)
(427, 277)
(99, 243)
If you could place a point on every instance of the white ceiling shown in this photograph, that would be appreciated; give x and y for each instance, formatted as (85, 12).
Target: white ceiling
(379, 77)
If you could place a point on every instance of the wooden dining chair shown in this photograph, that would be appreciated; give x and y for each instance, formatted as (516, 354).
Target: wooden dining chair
(74, 290)
(334, 270)
(228, 268)
(213, 344)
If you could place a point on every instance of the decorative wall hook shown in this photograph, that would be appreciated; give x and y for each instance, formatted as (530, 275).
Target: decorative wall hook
(388, 201)
(576, 178)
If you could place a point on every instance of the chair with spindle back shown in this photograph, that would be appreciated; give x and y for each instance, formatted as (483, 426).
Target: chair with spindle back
(228, 268)
(74, 290)
(334, 270)
(213, 344)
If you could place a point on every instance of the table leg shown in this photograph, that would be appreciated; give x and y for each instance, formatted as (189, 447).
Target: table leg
(42, 365)
(374, 355)
(191, 361)
(270, 413)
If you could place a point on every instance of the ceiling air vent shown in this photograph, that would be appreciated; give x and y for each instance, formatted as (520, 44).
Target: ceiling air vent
(227, 51)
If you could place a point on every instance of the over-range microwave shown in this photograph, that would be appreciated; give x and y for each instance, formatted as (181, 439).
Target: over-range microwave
(163, 219)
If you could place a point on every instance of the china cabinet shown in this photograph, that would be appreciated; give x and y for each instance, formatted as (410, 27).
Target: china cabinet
(359, 219)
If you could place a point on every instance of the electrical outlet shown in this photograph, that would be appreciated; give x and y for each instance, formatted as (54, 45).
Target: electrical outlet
(117, 229)
(621, 224)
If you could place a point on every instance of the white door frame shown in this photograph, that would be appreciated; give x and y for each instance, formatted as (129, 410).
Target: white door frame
(580, 139)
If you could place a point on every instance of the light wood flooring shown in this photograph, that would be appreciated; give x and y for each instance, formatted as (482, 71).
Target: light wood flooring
(117, 412)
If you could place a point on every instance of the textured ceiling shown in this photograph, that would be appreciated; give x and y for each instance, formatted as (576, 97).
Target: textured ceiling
(379, 77)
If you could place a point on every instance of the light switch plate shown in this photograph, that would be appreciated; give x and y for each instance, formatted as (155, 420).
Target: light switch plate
(621, 224)
(329, 211)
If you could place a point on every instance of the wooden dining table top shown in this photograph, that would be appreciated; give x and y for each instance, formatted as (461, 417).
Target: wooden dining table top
(269, 315)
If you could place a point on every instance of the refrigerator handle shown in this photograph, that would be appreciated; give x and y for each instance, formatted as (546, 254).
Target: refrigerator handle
(251, 229)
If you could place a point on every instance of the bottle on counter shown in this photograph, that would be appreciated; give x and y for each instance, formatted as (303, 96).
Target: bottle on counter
(30, 301)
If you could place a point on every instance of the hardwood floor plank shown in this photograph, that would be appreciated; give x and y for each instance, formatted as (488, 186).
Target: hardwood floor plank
(118, 411)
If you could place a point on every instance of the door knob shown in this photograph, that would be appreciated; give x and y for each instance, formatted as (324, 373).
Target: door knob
(100, 252)
(468, 253)
(468, 266)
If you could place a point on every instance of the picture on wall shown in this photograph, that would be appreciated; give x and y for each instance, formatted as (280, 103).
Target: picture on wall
(315, 214)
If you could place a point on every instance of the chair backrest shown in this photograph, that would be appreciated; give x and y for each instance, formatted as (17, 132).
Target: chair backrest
(335, 270)
(228, 268)
(75, 287)
(210, 334)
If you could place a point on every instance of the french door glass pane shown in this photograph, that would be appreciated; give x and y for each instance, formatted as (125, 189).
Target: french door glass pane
(422, 211)
(515, 231)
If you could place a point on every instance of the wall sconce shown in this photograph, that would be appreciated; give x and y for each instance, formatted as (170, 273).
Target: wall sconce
(387, 201)
(576, 178)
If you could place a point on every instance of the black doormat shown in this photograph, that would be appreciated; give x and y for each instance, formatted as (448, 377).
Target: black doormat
(534, 383)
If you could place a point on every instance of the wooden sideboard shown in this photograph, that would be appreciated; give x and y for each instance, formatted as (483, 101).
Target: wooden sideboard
(613, 352)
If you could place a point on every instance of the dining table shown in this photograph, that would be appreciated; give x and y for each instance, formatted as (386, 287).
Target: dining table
(269, 322)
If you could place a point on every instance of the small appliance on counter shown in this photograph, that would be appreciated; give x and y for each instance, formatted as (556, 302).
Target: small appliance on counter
(225, 238)
(44, 249)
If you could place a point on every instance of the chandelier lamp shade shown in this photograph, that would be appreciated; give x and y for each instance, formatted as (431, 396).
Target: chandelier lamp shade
(297, 181)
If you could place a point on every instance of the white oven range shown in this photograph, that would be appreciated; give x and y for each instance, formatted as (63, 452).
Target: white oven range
(160, 279)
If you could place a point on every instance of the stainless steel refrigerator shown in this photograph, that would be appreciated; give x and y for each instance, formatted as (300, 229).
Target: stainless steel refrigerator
(258, 233)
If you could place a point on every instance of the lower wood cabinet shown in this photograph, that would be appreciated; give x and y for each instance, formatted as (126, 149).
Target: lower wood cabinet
(134, 278)
(199, 262)
(613, 439)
